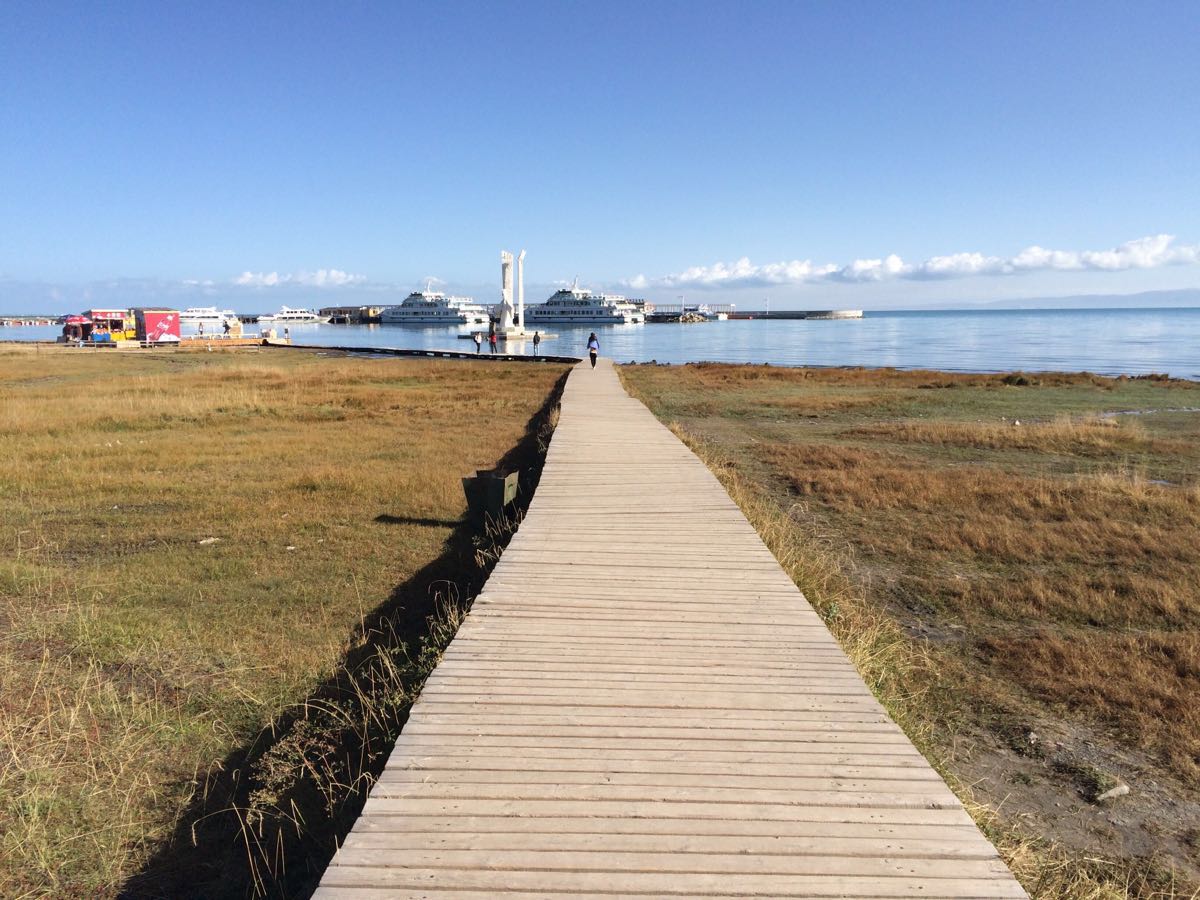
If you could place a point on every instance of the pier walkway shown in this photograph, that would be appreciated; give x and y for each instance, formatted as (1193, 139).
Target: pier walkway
(641, 703)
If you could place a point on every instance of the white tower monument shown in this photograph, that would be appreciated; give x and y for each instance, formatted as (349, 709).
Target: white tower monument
(507, 327)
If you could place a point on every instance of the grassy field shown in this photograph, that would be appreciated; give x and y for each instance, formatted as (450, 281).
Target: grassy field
(1014, 564)
(216, 572)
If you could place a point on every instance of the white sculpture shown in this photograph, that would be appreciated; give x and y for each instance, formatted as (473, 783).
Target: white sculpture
(506, 262)
(506, 305)
(511, 322)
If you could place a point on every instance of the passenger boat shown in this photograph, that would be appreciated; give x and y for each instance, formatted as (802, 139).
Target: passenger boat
(289, 316)
(207, 315)
(435, 308)
(580, 306)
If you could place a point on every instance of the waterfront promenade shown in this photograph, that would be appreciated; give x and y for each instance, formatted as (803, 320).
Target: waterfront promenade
(641, 703)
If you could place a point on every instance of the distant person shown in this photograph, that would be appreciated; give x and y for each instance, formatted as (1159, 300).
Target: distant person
(593, 348)
(225, 326)
(201, 329)
(478, 342)
(537, 342)
(492, 342)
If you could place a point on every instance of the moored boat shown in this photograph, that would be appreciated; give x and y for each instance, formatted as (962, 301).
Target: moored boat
(289, 316)
(581, 306)
(435, 308)
(207, 315)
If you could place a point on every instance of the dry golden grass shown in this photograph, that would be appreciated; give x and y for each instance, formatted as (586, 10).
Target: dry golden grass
(1097, 550)
(187, 544)
(1091, 436)
(983, 574)
(711, 375)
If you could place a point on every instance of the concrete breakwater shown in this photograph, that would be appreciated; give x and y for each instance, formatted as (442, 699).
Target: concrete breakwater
(799, 314)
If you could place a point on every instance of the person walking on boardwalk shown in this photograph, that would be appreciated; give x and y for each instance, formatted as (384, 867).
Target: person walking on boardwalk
(593, 348)
(492, 341)
(537, 342)
(478, 341)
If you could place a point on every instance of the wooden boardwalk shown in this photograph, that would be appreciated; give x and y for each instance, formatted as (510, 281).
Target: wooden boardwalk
(641, 703)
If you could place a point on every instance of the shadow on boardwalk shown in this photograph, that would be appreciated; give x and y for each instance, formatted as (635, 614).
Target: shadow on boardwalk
(266, 820)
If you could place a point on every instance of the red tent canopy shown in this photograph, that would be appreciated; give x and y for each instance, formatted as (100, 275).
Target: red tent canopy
(76, 320)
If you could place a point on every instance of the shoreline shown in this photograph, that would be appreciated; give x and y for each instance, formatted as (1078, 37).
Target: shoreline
(1108, 342)
(436, 353)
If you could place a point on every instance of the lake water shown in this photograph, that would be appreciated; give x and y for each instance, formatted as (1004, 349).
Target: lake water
(1109, 341)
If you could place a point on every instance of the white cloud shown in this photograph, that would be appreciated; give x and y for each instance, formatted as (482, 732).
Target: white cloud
(1144, 253)
(872, 269)
(257, 279)
(321, 278)
(1038, 258)
(958, 265)
(740, 273)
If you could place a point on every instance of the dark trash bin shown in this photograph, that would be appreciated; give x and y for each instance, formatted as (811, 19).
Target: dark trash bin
(489, 491)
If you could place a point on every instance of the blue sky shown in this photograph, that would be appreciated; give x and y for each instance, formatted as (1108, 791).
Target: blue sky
(863, 154)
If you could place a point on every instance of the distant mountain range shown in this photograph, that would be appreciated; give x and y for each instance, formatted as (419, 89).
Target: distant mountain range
(1185, 297)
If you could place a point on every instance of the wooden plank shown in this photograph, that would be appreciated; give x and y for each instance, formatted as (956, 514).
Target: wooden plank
(840, 845)
(695, 742)
(777, 829)
(823, 795)
(494, 764)
(749, 720)
(682, 759)
(625, 808)
(624, 861)
(641, 703)
(778, 780)
(700, 884)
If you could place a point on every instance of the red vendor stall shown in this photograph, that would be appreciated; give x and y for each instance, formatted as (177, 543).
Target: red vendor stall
(157, 326)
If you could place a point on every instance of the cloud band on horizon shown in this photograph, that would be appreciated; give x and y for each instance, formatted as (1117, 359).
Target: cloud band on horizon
(1143, 253)
(319, 278)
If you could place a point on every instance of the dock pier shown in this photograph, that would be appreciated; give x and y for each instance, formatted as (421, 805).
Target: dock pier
(625, 712)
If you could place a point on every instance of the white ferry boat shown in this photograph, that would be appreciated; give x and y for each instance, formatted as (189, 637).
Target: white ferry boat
(580, 306)
(289, 316)
(435, 308)
(207, 315)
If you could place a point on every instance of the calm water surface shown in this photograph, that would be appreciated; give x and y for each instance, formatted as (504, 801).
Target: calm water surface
(1110, 342)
